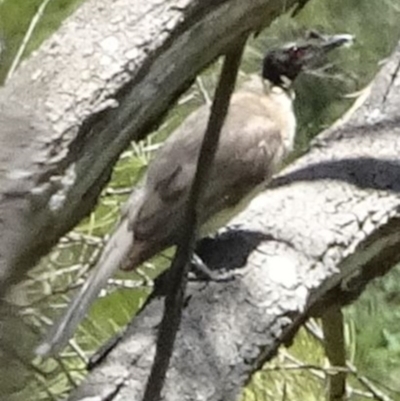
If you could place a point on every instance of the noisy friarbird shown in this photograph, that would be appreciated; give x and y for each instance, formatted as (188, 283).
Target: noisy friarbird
(257, 135)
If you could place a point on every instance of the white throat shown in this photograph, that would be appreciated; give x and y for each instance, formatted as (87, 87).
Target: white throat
(279, 102)
(283, 98)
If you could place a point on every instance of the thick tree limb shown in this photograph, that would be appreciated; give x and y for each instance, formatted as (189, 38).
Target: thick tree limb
(61, 129)
(328, 225)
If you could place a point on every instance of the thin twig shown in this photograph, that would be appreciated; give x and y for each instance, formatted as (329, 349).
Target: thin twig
(46, 388)
(318, 372)
(203, 91)
(299, 6)
(180, 265)
(335, 350)
(35, 20)
(78, 351)
(393, 77)
(117, 191)
(66, 372)
(306, 366)
(376, 394)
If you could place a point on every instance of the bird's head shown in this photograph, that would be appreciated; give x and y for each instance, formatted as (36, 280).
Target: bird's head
(282, 65)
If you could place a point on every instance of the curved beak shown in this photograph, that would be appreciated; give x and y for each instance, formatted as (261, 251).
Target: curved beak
(316, 46)
(334, 41)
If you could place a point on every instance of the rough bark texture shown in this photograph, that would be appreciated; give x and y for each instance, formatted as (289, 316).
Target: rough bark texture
(103, 80)
(327, 225)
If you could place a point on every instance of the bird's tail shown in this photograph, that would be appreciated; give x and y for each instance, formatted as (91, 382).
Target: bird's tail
(115, 253)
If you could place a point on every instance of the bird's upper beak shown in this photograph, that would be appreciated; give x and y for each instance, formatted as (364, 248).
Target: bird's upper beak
(317, 45)
(332, 42)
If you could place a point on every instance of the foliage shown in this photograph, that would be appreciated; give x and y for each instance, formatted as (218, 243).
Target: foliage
(15, 17)
(374, 321)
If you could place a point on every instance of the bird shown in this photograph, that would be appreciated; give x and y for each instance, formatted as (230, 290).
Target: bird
(257, 135)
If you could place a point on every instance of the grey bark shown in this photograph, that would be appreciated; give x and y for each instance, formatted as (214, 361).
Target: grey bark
(102, 80)
(326, 226)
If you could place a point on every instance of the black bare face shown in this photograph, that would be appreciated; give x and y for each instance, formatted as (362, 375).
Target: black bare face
(283, 63)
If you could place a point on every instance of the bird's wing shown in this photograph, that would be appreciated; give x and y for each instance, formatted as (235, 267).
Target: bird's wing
(169, 180)
(248, 153)
(251, 149)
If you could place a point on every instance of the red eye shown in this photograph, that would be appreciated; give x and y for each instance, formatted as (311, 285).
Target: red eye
(297, 52)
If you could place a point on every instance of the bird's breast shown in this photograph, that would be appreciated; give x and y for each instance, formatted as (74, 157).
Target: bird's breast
(279, 105)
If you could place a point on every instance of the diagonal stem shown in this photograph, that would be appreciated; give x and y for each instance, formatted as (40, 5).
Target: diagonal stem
(180, 265)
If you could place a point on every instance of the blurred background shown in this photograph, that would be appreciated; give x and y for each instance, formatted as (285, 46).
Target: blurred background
(297, 373)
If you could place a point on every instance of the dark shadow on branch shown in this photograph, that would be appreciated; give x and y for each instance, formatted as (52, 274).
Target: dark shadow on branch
(366, 173)
(227, 252)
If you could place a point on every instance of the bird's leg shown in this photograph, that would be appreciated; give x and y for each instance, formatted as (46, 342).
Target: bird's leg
(198, 266)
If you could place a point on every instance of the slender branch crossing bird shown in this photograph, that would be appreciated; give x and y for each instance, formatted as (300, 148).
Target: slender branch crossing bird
(257, 135)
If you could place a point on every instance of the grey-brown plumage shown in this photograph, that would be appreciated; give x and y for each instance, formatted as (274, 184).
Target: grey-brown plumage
(257, 135)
